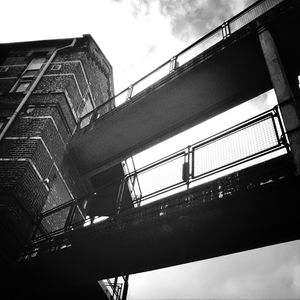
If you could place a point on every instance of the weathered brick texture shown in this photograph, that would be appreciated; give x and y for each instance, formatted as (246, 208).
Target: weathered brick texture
(36, 172)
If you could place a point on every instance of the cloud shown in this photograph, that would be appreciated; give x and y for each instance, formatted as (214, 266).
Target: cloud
(141, 7)
(264, 273)
(153, 23)
(191, 19)
(194, 18)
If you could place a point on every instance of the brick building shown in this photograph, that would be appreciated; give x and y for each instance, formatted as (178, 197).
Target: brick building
(45, 87)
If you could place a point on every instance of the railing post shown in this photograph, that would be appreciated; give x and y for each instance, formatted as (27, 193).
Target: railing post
(138, 183)
(125, 289)
(94, 115)
(37, 226)
(186, 167)
(129, 92)
(225, 30)
(133, 180)
(115, 287)
(283, 138)
(70, 216)
(173, 64)
(286, 89)
(121, 193)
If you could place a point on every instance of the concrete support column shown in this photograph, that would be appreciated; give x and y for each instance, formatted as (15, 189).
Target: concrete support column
(287, 93)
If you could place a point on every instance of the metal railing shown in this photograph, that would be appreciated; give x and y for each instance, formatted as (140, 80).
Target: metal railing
(221, 189)
(199, 47)
(117, 287)
(174, 173)
(133, 183)
(248, 140)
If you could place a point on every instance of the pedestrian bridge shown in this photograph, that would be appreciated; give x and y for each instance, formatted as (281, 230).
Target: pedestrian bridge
(247, 209)
(207, 203)
(221, 70)
(231, 192)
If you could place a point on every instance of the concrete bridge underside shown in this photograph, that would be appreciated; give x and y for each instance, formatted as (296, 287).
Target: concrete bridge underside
(231, 72)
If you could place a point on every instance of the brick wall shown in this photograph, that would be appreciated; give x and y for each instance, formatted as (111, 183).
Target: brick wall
(36, 172)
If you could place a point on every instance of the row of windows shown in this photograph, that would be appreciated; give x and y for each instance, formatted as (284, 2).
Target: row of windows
(28, 75)
(31, 72)
(84, 107)
(55, 67)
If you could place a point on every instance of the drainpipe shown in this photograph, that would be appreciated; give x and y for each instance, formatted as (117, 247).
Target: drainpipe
(28, 94)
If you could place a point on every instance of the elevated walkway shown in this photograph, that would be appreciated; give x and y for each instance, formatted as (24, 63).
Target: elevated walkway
(252, 208)
(221, 70)
(246, 209)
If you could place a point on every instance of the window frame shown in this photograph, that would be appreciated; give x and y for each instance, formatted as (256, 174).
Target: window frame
(31, 71)
(22, 82)
(55, 67)
(33, 68)
(3, 69)
(83, 104)
(36, 65)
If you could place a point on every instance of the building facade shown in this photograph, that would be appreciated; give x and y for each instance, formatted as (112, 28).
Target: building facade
(45, 88)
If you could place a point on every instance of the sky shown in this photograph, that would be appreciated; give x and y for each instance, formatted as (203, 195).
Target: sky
(136, 36)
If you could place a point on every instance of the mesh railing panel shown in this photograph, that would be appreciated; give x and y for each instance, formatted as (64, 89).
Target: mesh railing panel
(151, 79)
(162, 176)
(252, 14)
(200, 47)
(235, 146)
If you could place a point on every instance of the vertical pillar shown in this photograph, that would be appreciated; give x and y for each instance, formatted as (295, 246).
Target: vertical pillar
(287, 93)
(125, 289)
(115, 286)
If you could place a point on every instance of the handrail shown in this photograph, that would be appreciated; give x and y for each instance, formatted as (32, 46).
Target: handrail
(271, 112)
(224, 30)
(211, 33)
(243, 180)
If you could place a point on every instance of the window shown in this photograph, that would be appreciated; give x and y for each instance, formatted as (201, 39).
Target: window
(56, 67)
(4, 69)
(28, 75)
(36, 63)
(34, 67)
(85, 106)
(22, 86)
